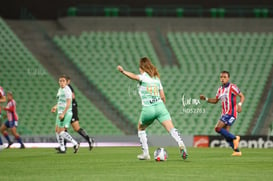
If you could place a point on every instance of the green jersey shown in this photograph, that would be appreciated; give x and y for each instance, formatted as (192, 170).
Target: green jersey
(62, 95)
(148, 89)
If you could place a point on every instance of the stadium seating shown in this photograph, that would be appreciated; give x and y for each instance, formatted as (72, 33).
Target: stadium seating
(201, 57)
(35, 91)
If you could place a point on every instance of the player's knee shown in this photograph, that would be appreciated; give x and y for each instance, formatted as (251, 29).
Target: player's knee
(141, 127)
(217, 129)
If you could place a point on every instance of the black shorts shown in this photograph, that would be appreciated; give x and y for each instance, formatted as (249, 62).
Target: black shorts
(75, 116)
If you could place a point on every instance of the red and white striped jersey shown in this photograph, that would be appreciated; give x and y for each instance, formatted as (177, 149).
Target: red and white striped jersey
(227, 93)
(11, 110)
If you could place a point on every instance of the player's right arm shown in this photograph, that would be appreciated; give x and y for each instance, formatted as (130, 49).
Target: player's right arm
(128, 74)
(209, 100)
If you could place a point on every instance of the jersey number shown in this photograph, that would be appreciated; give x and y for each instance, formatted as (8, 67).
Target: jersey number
(153, 90)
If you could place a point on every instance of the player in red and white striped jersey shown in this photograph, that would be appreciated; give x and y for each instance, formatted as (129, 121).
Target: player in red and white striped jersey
(227, 94)
(2, 100)
(12, 121)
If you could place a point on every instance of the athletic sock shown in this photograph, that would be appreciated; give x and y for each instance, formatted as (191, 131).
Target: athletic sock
(68, 137)
(143, 141)
(83, 133)
(65, 141)
(7, 137)
(227, 134)
(61, 143)
(230, 142)
(19, 140)
(176, 136)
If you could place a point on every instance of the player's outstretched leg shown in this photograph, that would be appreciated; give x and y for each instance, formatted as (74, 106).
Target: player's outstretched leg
(231, 139)
(19, 140)
(90, 141)
(8, 139)
(176, 136)
(17, 137)
(68, 137)
(144, 145)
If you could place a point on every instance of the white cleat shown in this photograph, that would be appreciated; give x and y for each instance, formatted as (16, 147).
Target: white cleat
(143, 157)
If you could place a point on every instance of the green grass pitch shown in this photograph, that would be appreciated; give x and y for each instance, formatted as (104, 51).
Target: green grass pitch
(121, 164)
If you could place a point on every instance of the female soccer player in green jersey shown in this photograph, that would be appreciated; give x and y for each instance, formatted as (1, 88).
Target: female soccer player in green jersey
(64, 115)
(153, 105)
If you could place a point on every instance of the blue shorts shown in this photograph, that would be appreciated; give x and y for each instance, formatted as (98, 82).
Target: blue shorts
(228, 119)
(11, 124)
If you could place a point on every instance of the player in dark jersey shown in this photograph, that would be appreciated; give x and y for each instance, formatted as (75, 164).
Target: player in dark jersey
(75, 118)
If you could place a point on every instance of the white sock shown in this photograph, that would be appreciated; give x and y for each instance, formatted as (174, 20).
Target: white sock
(176, 135)
(61, 142)
(68, 137)
(143, 141)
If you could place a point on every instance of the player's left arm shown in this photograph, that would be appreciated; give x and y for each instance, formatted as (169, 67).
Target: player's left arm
(162, 95)
(128, 74)
(242, 99)
(68, 102)
(10, 109)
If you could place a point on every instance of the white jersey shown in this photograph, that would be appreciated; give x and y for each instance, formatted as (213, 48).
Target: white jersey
(148, 89)
(62, 95)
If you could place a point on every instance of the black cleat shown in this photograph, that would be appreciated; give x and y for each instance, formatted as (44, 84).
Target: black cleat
(22, 146)
(10, 143)
(91, 143)
(76, 148)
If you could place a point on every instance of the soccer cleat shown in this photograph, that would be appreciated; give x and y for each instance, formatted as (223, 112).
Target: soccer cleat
(91, 143)
(236, 153)
(236, 142)
(10, 143)
(143, 157)
(76, 147)
(183, 153)
(22, 146)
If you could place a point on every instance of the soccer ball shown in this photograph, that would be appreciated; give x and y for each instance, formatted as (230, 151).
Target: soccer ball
(160, 154)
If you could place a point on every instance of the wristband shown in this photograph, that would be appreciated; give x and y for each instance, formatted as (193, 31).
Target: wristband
(207, 99)
(239, 104)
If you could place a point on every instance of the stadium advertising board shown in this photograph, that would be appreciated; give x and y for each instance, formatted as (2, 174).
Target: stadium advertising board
(245, 142)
